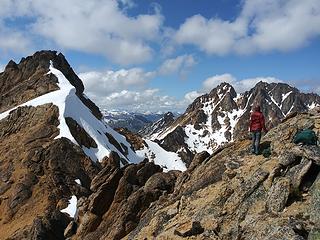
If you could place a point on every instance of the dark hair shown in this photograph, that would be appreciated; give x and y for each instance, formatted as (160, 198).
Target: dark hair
(257, 108)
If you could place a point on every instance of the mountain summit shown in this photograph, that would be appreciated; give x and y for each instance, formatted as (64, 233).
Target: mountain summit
(46, 77)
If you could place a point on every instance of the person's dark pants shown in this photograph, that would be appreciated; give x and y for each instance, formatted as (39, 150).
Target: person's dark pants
(256, 136)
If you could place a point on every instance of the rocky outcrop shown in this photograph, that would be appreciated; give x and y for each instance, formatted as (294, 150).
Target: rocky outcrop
(37, 174)
(135, 140)
(236, 195)
(120, 198)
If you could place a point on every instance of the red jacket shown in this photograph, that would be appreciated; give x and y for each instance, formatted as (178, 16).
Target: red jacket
(257, 122)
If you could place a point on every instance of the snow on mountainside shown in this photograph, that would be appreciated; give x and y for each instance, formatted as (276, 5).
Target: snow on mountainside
(152, 150)
(130, 120)
(71, 107)
(166, 159)
(151, 130)
(222, 116)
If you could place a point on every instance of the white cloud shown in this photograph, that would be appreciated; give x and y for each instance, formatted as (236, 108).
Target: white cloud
(100, 84)
(191, 96)
(2, 67)
(215, 80)
(263, 25)
(13, 41)
(140, 101)
(239, 85)
(181, 65)
(100, 27)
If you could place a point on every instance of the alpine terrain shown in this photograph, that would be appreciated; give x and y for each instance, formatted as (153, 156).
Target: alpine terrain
(66, 174)
(222, 116)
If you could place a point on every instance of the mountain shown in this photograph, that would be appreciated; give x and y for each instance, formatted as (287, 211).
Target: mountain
(46, 77)
(151, 130)
(235, 195)
(222, 116)
(52, 144)
(132, 121)
(56, 150)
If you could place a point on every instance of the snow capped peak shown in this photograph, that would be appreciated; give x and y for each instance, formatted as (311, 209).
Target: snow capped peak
(223, 115)
(71, 107)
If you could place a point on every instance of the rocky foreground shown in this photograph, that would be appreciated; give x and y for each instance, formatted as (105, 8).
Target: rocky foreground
(229, 195)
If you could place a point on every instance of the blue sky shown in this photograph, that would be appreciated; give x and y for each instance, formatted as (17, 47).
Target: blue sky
(159, 55)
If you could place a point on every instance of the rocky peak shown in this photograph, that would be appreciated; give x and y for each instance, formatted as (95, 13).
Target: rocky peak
(11, 66)
(222, 115)
(222, 89)
(151, 130)
(29, 79)
(167, 117)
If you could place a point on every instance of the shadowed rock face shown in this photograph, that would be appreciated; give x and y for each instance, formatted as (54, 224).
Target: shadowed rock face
(37, 174)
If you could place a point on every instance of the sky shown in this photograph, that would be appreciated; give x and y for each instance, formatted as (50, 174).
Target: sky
(150, 56)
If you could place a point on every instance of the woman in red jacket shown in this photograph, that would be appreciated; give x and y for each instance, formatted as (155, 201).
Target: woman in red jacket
(257, 124)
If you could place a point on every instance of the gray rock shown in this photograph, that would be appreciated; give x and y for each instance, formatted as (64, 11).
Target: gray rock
(278, 195)
(297, 172)
(310, 152)
(245, 190)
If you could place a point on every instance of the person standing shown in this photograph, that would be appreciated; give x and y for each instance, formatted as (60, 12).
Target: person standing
(257, 124)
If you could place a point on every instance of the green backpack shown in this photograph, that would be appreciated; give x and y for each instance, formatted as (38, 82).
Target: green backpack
(306, 137)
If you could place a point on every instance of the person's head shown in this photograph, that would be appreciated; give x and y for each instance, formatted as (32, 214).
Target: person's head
(257, 108)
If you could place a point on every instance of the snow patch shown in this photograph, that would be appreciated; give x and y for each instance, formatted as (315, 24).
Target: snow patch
(72, 207)
(312, 105)
(167, 160)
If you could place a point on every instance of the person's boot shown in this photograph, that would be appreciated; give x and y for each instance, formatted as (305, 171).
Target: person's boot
(253, 150)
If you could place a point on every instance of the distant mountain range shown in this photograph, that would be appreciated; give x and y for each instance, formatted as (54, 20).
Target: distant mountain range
(130, 120)
(135, 122)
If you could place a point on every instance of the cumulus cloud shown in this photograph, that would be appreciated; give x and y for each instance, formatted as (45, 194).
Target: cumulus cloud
(239, 85)
(2, 67)
(140, 101)
(99, 84)
(13, 41)
(262, 25)
(100, 27)
(181, 65)
(126, 89)
(191, 96)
